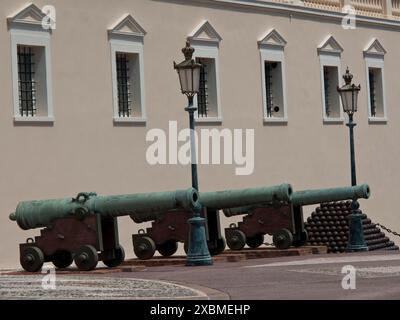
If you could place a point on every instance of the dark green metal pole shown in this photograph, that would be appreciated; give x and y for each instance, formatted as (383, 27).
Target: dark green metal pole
(191, 109)
(351, 126)
(198, 253)
(356, 232)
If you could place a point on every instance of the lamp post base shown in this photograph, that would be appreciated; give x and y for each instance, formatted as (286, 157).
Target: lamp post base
(198, 253)
(356, 232)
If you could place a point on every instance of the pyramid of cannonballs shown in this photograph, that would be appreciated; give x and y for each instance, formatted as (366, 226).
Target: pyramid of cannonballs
(329, 226)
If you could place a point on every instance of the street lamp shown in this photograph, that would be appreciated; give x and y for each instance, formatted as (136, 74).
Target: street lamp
(189, 78)
(349, 94)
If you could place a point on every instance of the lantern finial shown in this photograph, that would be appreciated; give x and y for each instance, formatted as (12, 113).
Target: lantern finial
(188, 51)
(348, 77)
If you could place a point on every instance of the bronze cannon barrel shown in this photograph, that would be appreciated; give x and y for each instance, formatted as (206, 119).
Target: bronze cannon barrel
(308, 197)
(232, 198)
(40, 213)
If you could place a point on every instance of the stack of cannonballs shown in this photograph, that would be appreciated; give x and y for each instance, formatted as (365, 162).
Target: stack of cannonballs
(329, 226)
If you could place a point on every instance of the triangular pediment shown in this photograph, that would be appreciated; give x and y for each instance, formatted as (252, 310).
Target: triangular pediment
(330, 45)
(30, 15)
(375, 48)
(205, 32)
(273, 38)
(128, 26)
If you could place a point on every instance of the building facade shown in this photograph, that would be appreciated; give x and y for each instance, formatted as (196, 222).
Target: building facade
(79, 99)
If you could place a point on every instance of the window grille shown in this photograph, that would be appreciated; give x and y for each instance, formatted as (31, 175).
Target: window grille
(326, 88)
(372, 92)
(202, 96)
(124, 85)
(26, 81)
(268, 87)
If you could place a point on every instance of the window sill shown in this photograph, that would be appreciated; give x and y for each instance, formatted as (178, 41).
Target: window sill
(276, 120)
(377, 120)
(333, 120)
(34, 119)
(129, 120)
(215, 120)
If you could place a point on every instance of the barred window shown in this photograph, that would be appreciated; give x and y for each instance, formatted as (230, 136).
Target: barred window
(202, 97)
(26, 81)
(273, 89)
(207, 98)
(375, 92)
(331, 97)
(372, 92)
(124, 85)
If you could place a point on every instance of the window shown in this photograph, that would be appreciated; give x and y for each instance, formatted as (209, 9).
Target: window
(126, 42)
(375, 92)
(31, 67)
(329, 55)
(374, 63)
(273, 77)
(205, 40)
(273, 89)
(26, 81)
(207, 100)
(128, 84)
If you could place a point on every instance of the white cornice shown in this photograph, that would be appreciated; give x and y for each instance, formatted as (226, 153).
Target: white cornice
(307, 11)
(330, 45)
(127, 26)
(273, 39)
(375, 48)
(205, 32)
(30, 15)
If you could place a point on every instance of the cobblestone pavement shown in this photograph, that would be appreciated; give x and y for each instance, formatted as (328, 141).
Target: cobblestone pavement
(89, 287)
(377, 277)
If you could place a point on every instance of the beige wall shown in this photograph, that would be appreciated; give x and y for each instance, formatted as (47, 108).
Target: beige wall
(84, 151)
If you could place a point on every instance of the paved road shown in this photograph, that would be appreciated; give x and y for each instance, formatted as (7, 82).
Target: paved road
(301, 277)
(314, 277)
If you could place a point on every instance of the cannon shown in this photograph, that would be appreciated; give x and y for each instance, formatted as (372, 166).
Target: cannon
(283, 220)
(84, 229)
(170, 227)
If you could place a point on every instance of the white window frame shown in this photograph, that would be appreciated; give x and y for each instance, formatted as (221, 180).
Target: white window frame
(330, 60)
(31, 38)
(372, 61)
(210, 51)
(135, 47)
(274, 54)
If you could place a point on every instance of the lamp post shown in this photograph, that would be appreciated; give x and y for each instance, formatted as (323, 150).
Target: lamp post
(349, 94)
(189, 78)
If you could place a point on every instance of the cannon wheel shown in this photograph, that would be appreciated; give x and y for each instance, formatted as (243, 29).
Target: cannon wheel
(144, 248)
(32, 259)
(236, 240)
(168, 248)
(119, 254)
(256, 241)
(282, 239)
(62, 259)
(303, 239)
(221, 244)
(86, 258)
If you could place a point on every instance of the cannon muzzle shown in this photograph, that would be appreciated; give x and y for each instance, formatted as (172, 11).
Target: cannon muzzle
(309, 197)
